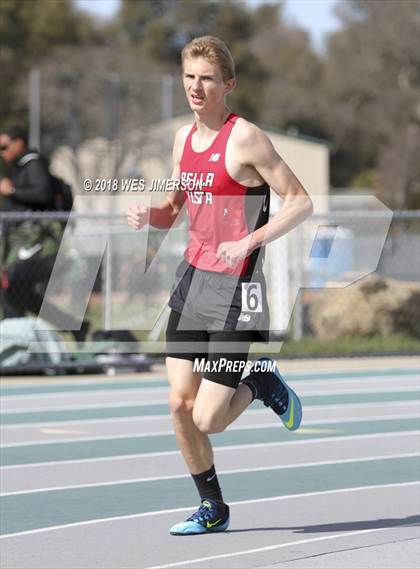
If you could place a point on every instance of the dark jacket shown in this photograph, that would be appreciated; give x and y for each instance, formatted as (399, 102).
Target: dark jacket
(32, 183)
(34, 192)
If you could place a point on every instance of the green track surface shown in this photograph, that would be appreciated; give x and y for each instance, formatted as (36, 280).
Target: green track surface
(27, 417)
(39, 510)
(36, 510)
(147, 383)
(27, 454)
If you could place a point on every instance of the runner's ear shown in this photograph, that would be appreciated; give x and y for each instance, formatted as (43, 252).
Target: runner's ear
(230, 85)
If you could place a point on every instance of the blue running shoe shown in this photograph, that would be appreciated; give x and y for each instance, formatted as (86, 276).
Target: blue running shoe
(210, 517)
(283, 400)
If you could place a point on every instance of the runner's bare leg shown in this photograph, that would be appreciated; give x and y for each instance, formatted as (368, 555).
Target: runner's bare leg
(217, 406)
(195, 445)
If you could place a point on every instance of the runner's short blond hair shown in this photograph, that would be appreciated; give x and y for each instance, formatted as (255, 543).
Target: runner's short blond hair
(214, 50)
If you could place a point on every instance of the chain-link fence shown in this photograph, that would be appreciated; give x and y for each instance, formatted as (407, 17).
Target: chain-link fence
(338, 273)
(361, 276)
(350, 271)
(73, 108)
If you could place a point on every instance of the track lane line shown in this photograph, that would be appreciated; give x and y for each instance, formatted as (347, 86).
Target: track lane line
(57, 476)
(328, 373)
(146, 418)
(72, 422)
(216, 449)
(234, 427)
(268, 548)
(132, 402)
(184, 509)
(328, 385)
(220, 472)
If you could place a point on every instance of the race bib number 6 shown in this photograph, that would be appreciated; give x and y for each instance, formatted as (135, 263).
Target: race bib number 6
(251, 297)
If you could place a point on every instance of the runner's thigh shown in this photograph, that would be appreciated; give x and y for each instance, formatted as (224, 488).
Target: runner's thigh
(181, 348)
(226, 369)
(184, 382)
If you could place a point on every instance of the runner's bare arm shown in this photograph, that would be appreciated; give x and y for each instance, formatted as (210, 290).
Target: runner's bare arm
(166, 214)
(257, 151)
(254, 149)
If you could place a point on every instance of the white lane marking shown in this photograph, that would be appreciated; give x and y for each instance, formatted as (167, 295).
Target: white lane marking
(164, 401)
(240, 502)
(215, 448)
(130, 392)
(231, 471)
(303, 384)
(327, 373)
(92, 406)
(73, 422)
(248, 426)
(48, 381)
(268, 548)
(57, 431)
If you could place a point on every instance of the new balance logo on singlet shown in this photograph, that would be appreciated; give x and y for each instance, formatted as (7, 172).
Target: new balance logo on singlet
(214, 157)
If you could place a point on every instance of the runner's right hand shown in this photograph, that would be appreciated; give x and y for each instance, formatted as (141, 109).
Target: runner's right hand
(137, 215)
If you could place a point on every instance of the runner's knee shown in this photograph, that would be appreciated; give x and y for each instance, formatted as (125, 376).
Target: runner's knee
(180, 404)
(208, 423)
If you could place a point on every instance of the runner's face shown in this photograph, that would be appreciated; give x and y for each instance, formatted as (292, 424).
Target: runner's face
(204, 85)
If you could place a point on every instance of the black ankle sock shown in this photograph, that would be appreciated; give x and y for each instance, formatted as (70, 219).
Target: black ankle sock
(259, 383)
(208, 485)
(251, 384)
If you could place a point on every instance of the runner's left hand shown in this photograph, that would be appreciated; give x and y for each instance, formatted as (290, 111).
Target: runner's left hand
(232, 252)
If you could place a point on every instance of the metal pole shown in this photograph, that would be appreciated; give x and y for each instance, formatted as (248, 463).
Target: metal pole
(167, 96)
(35, 108)
(298, 282)
(114, 105)
(107, 285)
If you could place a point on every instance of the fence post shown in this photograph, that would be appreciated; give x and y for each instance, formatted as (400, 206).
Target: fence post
(297, 284)
(107, 286)
(35, 108)
(167, 96)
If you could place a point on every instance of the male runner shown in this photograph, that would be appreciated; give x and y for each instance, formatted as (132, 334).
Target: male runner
(219, 298)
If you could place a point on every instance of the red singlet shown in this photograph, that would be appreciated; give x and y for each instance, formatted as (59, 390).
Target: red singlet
(217, 207)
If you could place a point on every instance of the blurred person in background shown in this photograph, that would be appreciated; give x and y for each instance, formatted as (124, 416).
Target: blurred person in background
(28, 185)
(29, 247)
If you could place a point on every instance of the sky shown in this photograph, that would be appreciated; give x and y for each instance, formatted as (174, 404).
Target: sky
(314, 15)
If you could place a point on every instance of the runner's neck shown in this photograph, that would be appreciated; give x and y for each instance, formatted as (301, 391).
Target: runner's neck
(208, 127)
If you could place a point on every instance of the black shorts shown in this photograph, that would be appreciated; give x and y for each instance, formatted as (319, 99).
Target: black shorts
(208, 350)
(221, 302)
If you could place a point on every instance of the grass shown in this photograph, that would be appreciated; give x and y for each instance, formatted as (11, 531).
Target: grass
(351, 346)
(309, 346)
